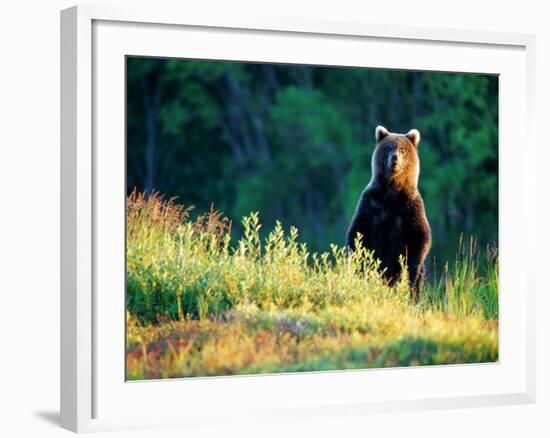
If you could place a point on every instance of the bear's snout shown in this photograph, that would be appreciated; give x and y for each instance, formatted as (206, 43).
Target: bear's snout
(393, 160)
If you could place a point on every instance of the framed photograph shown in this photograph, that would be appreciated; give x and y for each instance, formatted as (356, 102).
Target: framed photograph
(266, 218)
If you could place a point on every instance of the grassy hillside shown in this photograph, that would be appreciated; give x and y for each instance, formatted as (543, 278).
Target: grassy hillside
(199, 304)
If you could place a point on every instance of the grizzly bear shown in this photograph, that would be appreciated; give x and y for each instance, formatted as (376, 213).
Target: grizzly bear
(390, 215)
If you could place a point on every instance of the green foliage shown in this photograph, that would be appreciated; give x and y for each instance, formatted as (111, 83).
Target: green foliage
(295, 142)
(198, 305)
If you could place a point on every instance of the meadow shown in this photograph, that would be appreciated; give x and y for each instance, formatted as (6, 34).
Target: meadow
(200, 304)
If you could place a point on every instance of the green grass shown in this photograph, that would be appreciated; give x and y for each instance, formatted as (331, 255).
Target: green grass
(199, 305)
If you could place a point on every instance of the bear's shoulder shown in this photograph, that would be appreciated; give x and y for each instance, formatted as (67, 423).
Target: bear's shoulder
(379, 196)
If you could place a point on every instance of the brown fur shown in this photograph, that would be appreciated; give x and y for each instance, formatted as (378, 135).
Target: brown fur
(390, 214)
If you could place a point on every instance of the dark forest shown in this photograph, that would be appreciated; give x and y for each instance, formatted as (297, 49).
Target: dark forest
(294, 142)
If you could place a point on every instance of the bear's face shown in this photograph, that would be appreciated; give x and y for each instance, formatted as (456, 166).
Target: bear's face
(395, 158)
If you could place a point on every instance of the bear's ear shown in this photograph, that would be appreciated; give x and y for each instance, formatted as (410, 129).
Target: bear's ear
(414, 136)
(380, 133)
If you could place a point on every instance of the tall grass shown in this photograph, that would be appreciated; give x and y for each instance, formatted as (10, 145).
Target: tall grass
(199, 304)
(470, 285)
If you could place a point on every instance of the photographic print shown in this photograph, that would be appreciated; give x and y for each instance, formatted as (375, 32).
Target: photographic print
(291, 218)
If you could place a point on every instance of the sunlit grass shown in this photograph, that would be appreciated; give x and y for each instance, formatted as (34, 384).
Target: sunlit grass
(198, 304)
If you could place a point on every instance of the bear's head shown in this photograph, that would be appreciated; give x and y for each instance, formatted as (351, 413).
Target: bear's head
(395, 158)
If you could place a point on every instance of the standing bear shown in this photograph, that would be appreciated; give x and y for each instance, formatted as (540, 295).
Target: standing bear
(390, 214)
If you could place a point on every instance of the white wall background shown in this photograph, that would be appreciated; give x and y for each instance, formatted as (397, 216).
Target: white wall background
(29, 216)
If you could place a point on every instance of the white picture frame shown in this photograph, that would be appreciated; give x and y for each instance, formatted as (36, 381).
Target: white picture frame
(94, 397)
